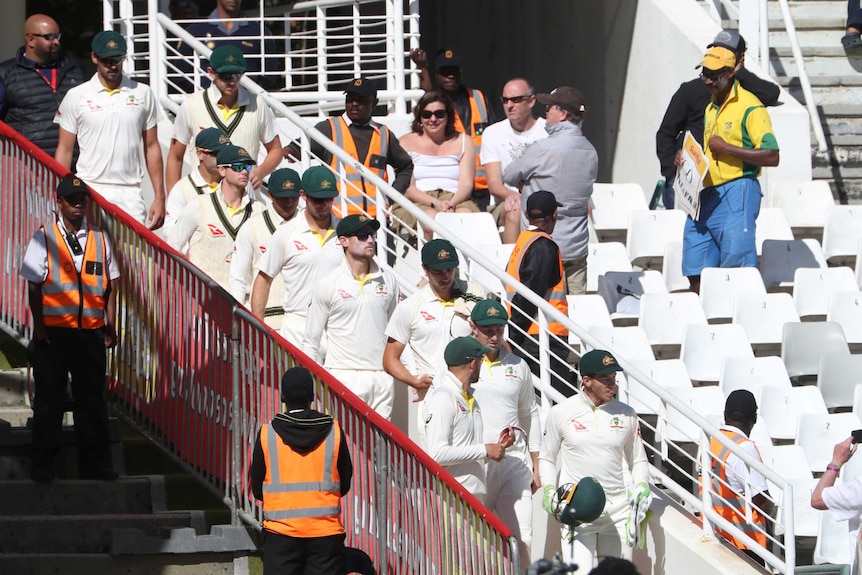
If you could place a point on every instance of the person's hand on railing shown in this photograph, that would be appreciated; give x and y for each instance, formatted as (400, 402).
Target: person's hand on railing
(419, 57)
(292, 152)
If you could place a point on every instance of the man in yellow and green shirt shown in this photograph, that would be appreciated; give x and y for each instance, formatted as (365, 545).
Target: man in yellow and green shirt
(738, 141)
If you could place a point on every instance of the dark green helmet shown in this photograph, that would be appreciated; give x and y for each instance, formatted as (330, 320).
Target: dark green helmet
(576, 503)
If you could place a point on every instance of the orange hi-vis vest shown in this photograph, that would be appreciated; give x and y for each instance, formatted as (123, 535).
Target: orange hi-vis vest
(71, 298)
(728, 503)
(555, 295)
(479, 121)
(301, 492)
(359, 197)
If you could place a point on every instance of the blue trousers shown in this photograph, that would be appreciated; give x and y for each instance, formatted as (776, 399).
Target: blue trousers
(723, 236)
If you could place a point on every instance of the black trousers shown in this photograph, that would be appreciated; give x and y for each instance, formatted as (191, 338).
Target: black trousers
(854, 14)
(559, 367)
(285, 555)
(80, 353)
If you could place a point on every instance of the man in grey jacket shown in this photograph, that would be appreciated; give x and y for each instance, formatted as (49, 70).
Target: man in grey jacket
(565, 163)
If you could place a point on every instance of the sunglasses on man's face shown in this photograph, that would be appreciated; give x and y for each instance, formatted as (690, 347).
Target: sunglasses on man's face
(237, 166)
(232, 77)
(111, 62)
(439, 114)
(712, 76)
(514, 99)
(48, 37)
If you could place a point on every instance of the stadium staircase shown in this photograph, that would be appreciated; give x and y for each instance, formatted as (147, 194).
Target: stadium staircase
(836, 79)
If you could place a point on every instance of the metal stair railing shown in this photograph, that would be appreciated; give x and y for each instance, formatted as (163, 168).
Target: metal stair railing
(198, 374)
(323, 49)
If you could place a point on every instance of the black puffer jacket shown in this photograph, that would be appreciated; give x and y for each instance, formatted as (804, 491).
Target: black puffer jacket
(31, 103)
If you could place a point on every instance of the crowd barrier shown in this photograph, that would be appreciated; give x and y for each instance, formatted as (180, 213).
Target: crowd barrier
(198, 374)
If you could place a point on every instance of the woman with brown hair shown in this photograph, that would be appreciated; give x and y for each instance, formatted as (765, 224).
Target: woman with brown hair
(443, 159)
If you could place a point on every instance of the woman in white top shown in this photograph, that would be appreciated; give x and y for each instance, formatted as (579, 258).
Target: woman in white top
(443, 164)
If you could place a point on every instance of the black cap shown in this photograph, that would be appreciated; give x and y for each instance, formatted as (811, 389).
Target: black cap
(363, 87)
(71, 185)
(740, 406)
(447, 58)
(297, 386)
(542, 204)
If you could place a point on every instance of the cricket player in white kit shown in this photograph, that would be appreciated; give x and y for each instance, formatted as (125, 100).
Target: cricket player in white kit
(593, 434)
(352, 305)
(505, 392)
(453, 420)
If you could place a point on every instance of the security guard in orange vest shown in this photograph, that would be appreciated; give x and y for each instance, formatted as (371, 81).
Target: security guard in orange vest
(301, 469)
(70, 269)
(729, 472)
(371, 143)
(536, 262)
(472, 112)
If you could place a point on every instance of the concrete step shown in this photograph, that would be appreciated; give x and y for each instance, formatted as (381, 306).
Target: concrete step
(16, 416)
(827, 62)
(128, 495)
(13, 388)
(105, 564)
(85, 533)
(809, 39)
(809, 10)
(821, 80)
(835, 101)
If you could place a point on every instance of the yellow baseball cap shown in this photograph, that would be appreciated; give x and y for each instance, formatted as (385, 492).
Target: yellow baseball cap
(718, 58)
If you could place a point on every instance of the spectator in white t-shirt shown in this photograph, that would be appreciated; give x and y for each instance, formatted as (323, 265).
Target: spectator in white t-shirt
(502, 143)
(845, 500)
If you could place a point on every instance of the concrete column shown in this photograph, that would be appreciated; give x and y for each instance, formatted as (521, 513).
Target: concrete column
(11, 27)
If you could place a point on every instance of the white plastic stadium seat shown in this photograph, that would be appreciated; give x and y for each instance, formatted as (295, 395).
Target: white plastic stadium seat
(781, 258)
(649, 232)
(605, 257)
(805, 518)
(842, 233)
(478, 228)
(763, 316)
(753, 374)
(497, 253)
(704, 348)
(664, 317)
(668, 373)
(780, 408)
(803, 343)
(622, 292)
(587, 310)
(671, 268)
(812, 288)
(804, 203)
(837, 378)
(720, 286)
(630, 343)
(612, 204)
(818, 434)
(845, 308)
(772, 224)
(705, 401)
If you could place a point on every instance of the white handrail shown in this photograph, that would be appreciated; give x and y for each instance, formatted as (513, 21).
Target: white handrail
(804, 81)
